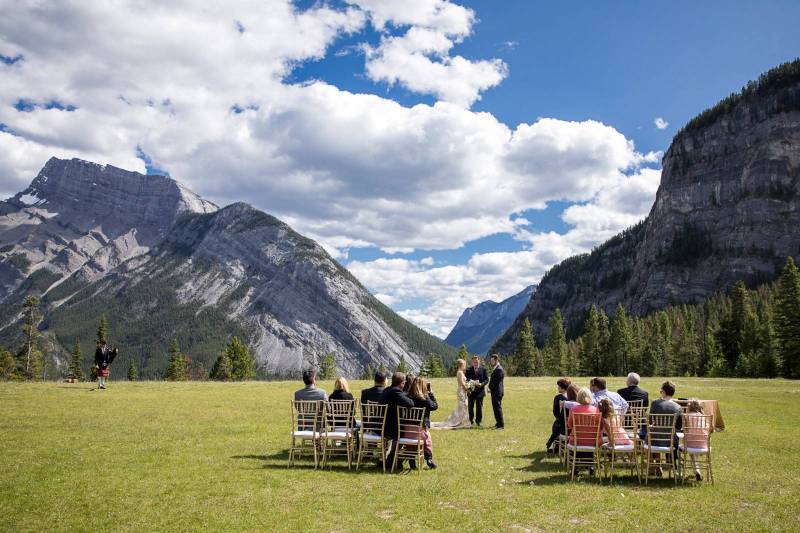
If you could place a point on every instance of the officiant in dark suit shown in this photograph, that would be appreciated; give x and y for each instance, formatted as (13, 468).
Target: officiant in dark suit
(477, 373)
(496, 390)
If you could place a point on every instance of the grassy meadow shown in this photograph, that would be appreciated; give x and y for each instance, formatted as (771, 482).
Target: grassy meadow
(157, 456)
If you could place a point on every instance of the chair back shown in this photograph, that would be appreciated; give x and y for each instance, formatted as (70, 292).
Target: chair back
(564, 414)
(409, 422)
(635, 418)
(340, 415)
(697, 429)
(307, 415)
(373, 418)
(586, 428)
(617, 424)
(661, 429)
(635, 403)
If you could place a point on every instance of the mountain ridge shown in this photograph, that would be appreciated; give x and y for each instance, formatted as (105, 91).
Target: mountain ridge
(161, 262)
(727, 209)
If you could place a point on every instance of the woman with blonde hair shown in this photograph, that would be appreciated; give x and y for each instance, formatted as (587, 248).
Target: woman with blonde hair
(341, 390)
(459, 418)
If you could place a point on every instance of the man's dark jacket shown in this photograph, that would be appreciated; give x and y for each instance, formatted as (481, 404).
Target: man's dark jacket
(480, 376)
(393, 397)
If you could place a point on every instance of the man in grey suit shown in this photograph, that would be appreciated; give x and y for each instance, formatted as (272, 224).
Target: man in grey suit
(310, 392)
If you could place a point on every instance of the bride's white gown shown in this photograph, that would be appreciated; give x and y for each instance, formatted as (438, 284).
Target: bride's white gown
(459, 418)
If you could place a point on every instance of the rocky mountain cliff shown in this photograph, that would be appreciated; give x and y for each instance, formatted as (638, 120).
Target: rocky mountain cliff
(479, 326)
(727, 209)
(160, 262)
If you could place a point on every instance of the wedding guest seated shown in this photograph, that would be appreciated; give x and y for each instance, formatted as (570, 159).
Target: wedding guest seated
(584, 438)
(393, 397)
(410, 377)
(598, 387)
(611, 427)
(584, 405)
(667, 406)
(310, 392)
(632, 392)
(558, 424)
(341, 390)
(373, 394)
(422, 396)
(696, 433)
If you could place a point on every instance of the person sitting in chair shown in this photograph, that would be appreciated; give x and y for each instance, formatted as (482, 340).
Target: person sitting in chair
(341, 391)
(373, 394)
(310, 392)
(394, 397)
(558, 424)
(632, 392)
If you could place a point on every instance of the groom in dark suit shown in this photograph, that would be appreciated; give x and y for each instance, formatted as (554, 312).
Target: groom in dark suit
(477, 373)
(496, 390)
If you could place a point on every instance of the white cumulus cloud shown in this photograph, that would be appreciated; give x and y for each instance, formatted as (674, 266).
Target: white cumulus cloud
(661, 123)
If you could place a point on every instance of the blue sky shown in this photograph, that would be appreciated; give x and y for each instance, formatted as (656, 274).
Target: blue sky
(446, 152)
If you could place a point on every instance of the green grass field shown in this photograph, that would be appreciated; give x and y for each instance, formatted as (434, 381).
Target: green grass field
(212, 456)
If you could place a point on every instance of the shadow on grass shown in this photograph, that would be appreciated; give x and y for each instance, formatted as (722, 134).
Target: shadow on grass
(279, 461)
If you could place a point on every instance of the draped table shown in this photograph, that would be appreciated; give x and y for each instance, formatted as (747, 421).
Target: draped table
(710, 407)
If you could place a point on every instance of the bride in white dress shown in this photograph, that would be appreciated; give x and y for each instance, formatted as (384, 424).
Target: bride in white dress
(459, 418)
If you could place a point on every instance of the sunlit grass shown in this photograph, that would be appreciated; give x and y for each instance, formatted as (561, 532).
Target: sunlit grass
(181, 456)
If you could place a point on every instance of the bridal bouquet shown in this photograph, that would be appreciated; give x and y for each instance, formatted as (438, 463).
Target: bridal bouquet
(472, 385)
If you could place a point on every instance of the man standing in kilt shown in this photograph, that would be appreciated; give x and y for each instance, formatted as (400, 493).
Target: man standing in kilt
(103, 357)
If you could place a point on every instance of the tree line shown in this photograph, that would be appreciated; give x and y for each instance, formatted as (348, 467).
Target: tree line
(747, 333)
(235, 363)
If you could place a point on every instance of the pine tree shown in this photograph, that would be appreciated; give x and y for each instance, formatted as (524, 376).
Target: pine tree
(555, 348)
(242, 364)
(75, 370)
(571, 364)
(463, 353)
(382, 369)
(526, 357)
(177, 367)
(401, 365)
(592, 344)
(368, 374)
(735, 334)
(768, 363)
(787, 319)
(102, 330)
(133, 375)
(223, 368)
(8, 366)
(327, 367)
(620, 344)
(433, 366)
(30, 358)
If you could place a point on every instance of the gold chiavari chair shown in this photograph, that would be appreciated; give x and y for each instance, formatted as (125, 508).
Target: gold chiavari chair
(410, 444)
(562, 439)
(635, 403)
(658, 446)
(371, 442)
(617, 453)
(585, 429)
(339, 435)
(696, 445)
(306, 430)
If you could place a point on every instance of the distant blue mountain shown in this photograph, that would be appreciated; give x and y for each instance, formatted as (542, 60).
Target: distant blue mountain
(481, 325)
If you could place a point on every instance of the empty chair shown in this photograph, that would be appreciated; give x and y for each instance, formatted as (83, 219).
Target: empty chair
(306, 430)
(411, 443)
(371, 436)
(339, 435)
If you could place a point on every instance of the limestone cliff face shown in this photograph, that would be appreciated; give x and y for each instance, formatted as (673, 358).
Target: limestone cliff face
(727, 209)
(81, 217)
(160, 263)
